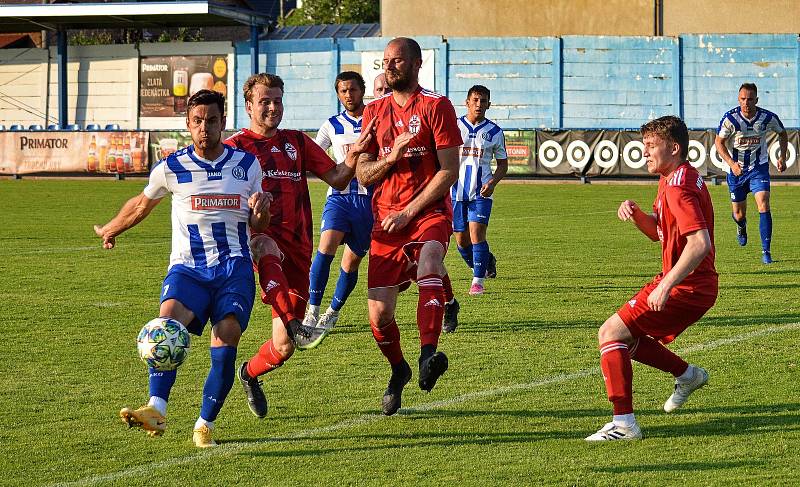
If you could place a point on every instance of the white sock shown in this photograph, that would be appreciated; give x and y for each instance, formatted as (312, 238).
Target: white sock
(626, 420)
(159, 404)
(202, 422)
(477, 280)
(451, 301)
(688, 375)
(331, 311)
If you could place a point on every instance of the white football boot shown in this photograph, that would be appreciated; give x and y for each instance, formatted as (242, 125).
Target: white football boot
(684, 388)
(613, 432)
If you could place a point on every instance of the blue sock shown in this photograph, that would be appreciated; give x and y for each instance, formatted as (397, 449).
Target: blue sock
(320, 270)
(344, 286)
(219, 381)
(161, 382)
(765, 227)
(466, 254)
(742, 223)
(480, 255)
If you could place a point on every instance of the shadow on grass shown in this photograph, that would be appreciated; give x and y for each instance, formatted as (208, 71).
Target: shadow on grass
(681, 466)
(743, 320)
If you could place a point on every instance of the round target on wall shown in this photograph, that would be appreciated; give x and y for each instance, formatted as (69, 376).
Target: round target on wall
(550, 154)
(578, 154)
(633, 154)
(697, 154)
(606, 154)
(773, 154)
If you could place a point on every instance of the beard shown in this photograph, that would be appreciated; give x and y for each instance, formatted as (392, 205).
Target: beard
(398, 80)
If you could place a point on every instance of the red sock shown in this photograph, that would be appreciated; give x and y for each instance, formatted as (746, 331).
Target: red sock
(388, 340)
(650, 352)
(265, 360)
(615, 361)
(275, 288)
(430, 309)
(448, 288)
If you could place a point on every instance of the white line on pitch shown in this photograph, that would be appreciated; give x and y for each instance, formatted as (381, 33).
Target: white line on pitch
(99, 246)
(232, 448)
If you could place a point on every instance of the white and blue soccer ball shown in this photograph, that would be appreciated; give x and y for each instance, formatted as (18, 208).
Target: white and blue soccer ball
(163, 343)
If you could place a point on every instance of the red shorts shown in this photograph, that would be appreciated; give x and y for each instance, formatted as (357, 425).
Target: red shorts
(684, 307)
(296, 267)
(393, 255)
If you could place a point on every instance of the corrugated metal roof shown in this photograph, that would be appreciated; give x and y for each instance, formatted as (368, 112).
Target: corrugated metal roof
(324, 31)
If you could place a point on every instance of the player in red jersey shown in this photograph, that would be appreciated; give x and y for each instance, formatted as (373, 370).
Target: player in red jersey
(283, 253)
(412, 159)
(683, 220)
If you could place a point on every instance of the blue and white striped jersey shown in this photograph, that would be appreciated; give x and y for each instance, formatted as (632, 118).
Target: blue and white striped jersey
(209, 204)
(340, 132)
(749, 147)
(482, 143)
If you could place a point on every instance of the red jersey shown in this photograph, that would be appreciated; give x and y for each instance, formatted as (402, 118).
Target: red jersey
(682, 206)
(432, 118)
(285, 157)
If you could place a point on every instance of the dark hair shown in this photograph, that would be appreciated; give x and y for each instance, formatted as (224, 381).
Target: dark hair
(349, 76)
(750, 87)
(669, 128)
(480, 90)
(266, 79)
(411, 45)
(206, 97)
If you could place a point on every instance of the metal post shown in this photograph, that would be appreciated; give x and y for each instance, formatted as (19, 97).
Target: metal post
(61, 55)
(254, 49)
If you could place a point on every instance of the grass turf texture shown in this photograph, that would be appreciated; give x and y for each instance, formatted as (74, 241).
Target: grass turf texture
(523, 388)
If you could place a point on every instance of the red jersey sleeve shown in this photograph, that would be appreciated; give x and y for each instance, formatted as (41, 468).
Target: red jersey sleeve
(315, 159)
(444, 125)
(684, 204)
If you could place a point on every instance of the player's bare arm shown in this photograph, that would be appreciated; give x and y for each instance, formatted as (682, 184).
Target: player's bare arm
(259, 204)
(438, 186)
(646, 223)
(783, 142)
(698, 245)
(499, 173)
(132, 212)
(371, 168)
(722, 150)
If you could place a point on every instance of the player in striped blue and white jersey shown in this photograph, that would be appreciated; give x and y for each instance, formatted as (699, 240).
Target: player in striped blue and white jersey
(748, 125)
(216, 198)
(472, 194)
(347, 216)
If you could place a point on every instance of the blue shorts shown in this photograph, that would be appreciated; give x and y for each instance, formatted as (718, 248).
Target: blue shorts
(352, 215)
(753, 181)
(227, 288)
(477, 210)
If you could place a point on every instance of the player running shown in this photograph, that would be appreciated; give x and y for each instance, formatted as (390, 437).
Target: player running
(683, 220)
(748, 125)
(216, 200)
(472, 194)
(347, 217)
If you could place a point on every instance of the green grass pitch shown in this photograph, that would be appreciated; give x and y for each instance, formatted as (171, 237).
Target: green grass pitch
(523, 388)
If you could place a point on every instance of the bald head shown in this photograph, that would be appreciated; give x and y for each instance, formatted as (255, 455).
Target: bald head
(402, 60)
(380, 87)
(409, 46)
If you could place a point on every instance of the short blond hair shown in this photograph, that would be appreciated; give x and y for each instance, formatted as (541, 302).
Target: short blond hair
(266, 79)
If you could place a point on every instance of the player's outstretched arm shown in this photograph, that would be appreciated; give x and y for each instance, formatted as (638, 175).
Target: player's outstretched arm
(698, 245)
(630, 211)
(132, 212)
(722, 150)
(259, 204)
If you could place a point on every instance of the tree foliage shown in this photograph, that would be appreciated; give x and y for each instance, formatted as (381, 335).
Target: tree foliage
(335, 12)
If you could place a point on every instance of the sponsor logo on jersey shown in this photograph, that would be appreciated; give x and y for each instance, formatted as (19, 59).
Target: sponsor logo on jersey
(471, 151)
(414, 124)
(216, 201)
(291, 151)
(750, 140)
(282, 174)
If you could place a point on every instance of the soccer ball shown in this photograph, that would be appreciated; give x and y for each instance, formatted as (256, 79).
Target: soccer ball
(163, 343)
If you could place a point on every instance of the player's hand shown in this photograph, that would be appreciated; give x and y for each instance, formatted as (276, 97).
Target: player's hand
(736, 169)
(627, 209)
(360, 146)
(658, 297)
(109, 240)
(395, 221)
(487, 189)
(400, 146)
(781, 164)
(259, 204)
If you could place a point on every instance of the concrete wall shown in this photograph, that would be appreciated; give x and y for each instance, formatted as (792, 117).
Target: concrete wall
(724, 16)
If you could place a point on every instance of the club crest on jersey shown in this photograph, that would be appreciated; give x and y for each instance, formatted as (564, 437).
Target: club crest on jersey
(486, 136)
(216, 201)
(414, 124)
(290, 151)
(239, 173)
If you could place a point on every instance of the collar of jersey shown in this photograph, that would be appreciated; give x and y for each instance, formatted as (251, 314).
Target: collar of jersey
(473, 129)
(355, 123)
(409, 102)
(226, 155)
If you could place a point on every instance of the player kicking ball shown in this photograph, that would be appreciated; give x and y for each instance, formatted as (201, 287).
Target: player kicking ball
(683, 221)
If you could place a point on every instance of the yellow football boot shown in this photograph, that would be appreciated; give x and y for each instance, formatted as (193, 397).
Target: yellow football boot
(146, 417)
(202, 437)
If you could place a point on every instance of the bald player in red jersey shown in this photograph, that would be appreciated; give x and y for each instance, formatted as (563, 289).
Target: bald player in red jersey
(412, 159)
(283, 253)
(683, 221)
